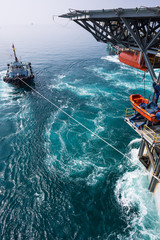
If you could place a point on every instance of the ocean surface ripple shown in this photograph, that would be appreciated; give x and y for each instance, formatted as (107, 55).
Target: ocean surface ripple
(58, 181)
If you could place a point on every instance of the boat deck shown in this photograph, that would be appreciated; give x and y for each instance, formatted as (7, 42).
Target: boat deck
(150, 133)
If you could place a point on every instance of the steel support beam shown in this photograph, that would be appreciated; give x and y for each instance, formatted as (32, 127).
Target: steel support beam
(141, 149)
(141, 47)
(153, 40)
(89, 28)
(150, 156)
(80, 24)
(109, 33)
(104, 37)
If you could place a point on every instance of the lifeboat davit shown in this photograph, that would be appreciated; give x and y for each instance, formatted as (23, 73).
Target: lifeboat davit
(136, 60)
(147, 109)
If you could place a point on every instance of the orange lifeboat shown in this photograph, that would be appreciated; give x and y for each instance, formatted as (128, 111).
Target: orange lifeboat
(136, 60)
(133, 59)
(146, 108)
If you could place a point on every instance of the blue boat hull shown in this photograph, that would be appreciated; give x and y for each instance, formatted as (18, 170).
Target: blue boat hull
(17, 81)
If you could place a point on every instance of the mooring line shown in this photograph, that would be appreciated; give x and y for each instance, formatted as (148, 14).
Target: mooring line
(124, 155)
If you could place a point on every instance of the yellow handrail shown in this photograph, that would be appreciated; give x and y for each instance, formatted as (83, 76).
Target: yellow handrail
(129, 112)
(151, 134)
(154, 137)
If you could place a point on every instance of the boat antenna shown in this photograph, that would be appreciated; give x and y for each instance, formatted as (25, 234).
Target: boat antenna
(16, 59)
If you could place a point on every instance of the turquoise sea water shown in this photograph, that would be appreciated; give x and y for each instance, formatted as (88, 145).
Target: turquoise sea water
(58, 181)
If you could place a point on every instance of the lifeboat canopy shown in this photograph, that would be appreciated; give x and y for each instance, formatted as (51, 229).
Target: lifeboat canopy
(136, 60)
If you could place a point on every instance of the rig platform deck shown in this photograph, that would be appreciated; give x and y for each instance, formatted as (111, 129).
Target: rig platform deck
(150, 133)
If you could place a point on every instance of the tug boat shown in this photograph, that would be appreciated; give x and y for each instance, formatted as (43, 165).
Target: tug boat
(17, 71)
(146, 108)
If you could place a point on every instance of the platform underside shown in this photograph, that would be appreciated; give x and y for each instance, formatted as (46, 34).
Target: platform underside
(137, 29)
(120, 26)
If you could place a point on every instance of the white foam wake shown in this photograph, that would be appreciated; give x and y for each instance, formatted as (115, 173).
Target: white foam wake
(61, 84)
(113, 58)
(136, 140)
(137, 203)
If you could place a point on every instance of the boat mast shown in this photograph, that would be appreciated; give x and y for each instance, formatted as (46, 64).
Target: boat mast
(14, 51)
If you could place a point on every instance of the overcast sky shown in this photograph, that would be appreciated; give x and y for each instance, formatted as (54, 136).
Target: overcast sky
(41, 11)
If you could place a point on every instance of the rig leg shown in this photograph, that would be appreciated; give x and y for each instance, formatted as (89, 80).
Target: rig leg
(143, 157)
(151, 158)
(154, 181)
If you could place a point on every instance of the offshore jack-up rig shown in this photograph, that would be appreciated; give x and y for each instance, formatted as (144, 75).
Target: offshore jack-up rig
(137, 32)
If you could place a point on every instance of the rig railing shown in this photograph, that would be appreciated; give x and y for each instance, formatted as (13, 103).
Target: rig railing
(129, 112)
(150, 133)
